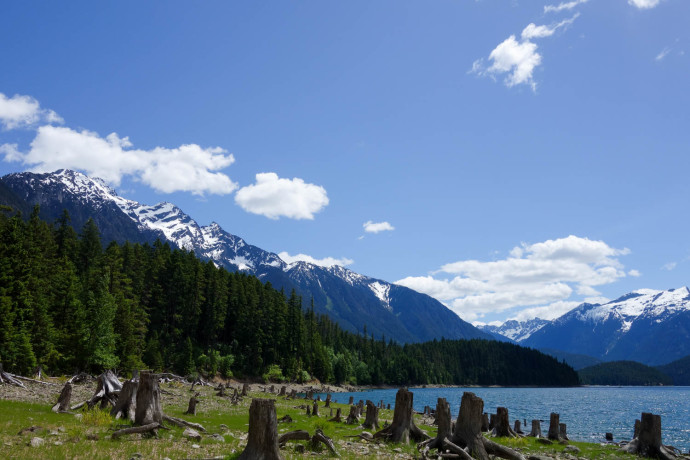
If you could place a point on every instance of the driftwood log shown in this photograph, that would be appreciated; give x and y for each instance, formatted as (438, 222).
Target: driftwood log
(151, 427)
(262, 441)
(648, 440)
(468, 432)
(554, 421)
(372, 419)
(502, 424)
(62, 404)
(403, 428)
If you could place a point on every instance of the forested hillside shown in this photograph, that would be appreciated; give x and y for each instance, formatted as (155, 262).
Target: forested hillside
(68, 304)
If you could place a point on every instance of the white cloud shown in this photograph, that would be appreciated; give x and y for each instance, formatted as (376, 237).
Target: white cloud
(563, 6)
(662, 54)
(548, 312)
(11, 152)
(274, 197)
(22, 111)
(634, 273)
(669, 266)
(533, 275)
(325, 262)
(518, 59)
(644, 4)
(188, 168)
(376, 227)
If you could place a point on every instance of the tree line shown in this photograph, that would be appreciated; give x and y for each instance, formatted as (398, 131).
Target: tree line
(68, 303)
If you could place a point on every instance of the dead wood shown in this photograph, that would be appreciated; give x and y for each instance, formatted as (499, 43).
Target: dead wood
(191, 408)
(319, 437)
(372, 419)
(126, 404)
(328, 400)
(518, 427)
(297, 435)
(62, 404)
(536, 429)
(283, 389)
(148, 406)
(403, 428)
(648, 440)
(137, 429)
(562, 432)
(352, 418)
(245, 389)
(285, 419)
(444, 424)
(457, 450)
(6, 377)
(338, 416)
(262, 442)
(183, 423)
(502, 424)
(107, 389)
(485, 422)
(554, 421)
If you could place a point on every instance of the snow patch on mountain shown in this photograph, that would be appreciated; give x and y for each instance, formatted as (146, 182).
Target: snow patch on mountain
(381, 291)
(516, 330)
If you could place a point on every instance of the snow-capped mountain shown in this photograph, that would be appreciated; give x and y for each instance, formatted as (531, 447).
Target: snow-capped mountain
(514, 330)
(351, 299)
(651, 327)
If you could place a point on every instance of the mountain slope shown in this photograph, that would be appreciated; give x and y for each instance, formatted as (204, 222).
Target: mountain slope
(623, 373)
(516, 331)
(651, 327)
(351, 299)
(678, 370)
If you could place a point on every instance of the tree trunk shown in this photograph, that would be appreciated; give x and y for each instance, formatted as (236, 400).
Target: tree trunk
(62, 404)
(148, 406)
(126, 404)
(553, 427)
(636, 430)
(137, 429)
(403, 427)
(502, 424)
(372, 419)
(191, 408)
(648, 441)
(444, 424)
(468, 431)
(536, 429)
(262, 442)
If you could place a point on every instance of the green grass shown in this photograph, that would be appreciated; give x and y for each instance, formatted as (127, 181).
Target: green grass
(88, 436)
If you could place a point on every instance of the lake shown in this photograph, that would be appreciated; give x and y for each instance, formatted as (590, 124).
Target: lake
(589, 412)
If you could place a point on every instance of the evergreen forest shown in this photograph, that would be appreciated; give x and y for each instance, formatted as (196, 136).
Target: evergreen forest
(69, 303)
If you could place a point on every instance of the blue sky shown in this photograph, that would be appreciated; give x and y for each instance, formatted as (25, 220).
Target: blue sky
(525, 155)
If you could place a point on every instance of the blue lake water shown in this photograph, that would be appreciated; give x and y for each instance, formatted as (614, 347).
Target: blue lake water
(589, 412)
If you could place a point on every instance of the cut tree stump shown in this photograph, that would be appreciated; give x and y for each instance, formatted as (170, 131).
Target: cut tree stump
(262, 441)
(518, 427)
(148, 405)
(536, 429)
(485, 422)
(315, 409)
(352, 418)
(328, 400)
(403, 428)
(245, 389)
(352, 400)
(126, 404)
(62, 404)
(191, 408)
(308, 411)
(372, 419)
(554, 421)
(562, 431)
(502, 424)
(107, 389)
(283, 389)
(648, 440)
(444, 424)
(636, 430)
(468, 432)
(338, 416)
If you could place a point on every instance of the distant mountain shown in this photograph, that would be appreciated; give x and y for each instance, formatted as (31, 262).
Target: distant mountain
(626, 373)
(516, 331)
(651, 327)
(575, 361)
(678, 370)
(351, 299)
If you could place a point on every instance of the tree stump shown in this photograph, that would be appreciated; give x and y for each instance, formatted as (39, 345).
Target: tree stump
(352, 418)
(553, 427)
(62, 404)
(148, 406)
(352, 400)
(283, 389)
(636, 429)
(338, 416)
(502, 424)
(444, 424)
(262, 441)
(403, 427)
(468, 431)
(562, 431)
(328, 400)
(485, 422)
(518, 427)
(315, 409)
(308, 411)
(245, 389)
(191, 408)
(126, 404)
(536, 429)
(107, 388)
(372, 419)
(648, 441)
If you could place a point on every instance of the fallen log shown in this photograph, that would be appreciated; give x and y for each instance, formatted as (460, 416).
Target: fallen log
(6, 377)
(183, 423)
(137, 429)
(319, 437)
(297, 435)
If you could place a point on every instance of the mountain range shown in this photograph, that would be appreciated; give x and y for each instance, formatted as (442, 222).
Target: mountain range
(356, 302)
(648, 326)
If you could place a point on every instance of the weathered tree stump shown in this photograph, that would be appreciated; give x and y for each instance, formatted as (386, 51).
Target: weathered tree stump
(536, 429)
(245, 389)
(648, 441)
(502, 424)
(468, 431)
(283, 389)
(485, 422)
(126, 404)
(562, 431)
(107, 389)
(553, 427)
(636, 429)
(309, 394)
(372, 419)
(308, 411)
(444, 424)
(328, 400)
(352, 400)
(148, 406)
(191, 408)
(389, 406)
(62, 404)
(262, 441)
(315, 409)
(338, 416)
(403, 427)
(518, 427)
(352, 418)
